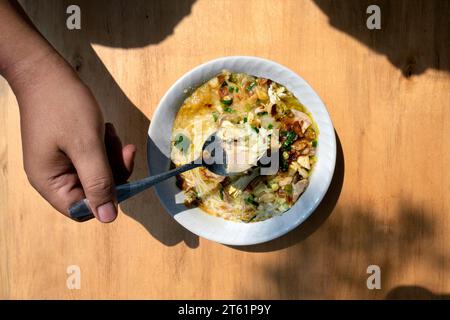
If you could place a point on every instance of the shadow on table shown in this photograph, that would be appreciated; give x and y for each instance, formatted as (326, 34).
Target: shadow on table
(317, 218)
(414, 34)
(334, 264)
(414, 293)
(121, 24)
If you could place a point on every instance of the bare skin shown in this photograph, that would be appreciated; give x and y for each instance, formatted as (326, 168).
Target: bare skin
(69, 153)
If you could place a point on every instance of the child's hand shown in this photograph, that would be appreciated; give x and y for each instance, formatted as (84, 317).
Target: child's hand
(64, 138)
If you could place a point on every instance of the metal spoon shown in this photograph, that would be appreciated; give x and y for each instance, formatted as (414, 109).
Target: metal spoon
(213, 158)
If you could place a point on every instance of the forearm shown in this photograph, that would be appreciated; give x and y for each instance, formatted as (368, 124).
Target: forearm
(23, 51)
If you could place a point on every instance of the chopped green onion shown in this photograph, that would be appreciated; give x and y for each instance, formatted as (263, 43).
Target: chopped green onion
(284, 164)
(215, 116)
(221, 194)
(256, 129)
(228, 109)
(270, 126)
(251, 86)
(245, 119)
(251, 200)
(264, 113)
(291, 136)
(227, 102)
(314, 143)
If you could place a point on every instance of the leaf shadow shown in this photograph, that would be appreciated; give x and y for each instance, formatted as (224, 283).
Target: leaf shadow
(414, 293)
(414, 34)
(334, 264)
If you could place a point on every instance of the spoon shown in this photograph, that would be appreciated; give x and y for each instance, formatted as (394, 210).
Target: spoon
(211, 152)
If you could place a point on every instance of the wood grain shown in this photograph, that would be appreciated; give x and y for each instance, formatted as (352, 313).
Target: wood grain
(388, 94)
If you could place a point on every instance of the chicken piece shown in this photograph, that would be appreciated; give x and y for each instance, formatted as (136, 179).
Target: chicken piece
(262, 94)
(302, 118)
(299, 145)
(310, 134)
(304, 162)
(208, 175)
(191, 198)
(214, 83)
(297, 127)
(238, 186)
(298, 189)
(267, 197)
(285, 181)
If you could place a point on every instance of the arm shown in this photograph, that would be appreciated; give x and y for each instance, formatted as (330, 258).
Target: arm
(62, 127)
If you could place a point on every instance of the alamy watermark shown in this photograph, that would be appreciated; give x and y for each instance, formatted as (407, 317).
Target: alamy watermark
(74, 279)
(374, 280)
(73, 21)
(374, 20)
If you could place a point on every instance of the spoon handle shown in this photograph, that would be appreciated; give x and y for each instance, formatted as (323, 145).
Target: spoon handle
(80, 211)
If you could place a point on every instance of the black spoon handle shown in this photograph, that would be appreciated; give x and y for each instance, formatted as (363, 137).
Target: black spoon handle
(81, 211)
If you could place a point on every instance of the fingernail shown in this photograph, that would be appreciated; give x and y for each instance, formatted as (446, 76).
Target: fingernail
(107, 212)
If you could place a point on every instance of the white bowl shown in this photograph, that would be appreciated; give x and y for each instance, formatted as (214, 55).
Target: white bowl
(219, 229)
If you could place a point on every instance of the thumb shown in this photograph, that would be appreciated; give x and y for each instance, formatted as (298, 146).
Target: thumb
(91, 164)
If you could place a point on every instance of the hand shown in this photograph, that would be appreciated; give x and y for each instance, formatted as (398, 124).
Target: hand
(68, 151)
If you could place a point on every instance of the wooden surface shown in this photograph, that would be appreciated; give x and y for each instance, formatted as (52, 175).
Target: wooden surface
(388, 94)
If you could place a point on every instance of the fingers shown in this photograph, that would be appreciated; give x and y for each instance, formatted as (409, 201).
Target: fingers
(64, 191)
(92, 166)
(128, 154)
(83, 170)
(58, 184)
(120, 159)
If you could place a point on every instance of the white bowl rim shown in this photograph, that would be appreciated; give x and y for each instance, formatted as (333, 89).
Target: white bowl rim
(331, 155)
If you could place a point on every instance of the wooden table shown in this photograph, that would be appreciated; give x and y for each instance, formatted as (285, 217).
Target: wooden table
(388, 94)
